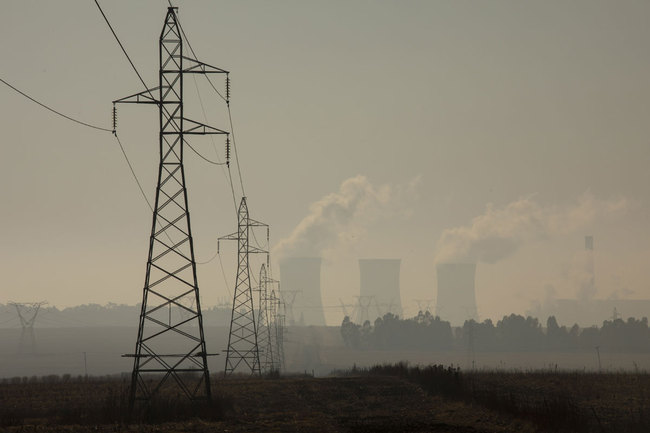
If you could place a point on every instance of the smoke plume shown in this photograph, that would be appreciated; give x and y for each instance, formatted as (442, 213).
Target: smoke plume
(500, 232)
(341, 217)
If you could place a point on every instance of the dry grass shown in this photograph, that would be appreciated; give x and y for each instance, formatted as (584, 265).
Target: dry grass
(554, 401)
(287, 404)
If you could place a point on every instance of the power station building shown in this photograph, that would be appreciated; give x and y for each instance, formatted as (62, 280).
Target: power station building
(456, 300)
(379, 287)
(300, 280)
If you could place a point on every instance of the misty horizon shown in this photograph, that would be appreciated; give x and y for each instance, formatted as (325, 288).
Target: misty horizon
(497, 134)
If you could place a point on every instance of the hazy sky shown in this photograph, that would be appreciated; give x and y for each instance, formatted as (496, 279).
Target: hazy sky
(438, 126)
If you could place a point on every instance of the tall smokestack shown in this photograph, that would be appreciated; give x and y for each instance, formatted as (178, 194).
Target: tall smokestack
(302, 275)
(380, 280)
(588, 285)
(456, 300)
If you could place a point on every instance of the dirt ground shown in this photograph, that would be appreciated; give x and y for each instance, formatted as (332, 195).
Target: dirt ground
(305, 404)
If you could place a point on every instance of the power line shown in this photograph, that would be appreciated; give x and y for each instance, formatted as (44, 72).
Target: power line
(201, 156)
(229, 117)
(195, 56)
(133, 172)
(234, 145)
(55, 111)
(223, 272)
(124, 50)
(94, 127)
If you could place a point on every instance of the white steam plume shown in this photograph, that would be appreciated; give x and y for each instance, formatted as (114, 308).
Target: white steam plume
(500, 232)
(340, 216)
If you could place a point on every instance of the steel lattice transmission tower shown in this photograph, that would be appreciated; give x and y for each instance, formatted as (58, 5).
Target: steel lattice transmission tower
(276, 313)
(243, 348)
(266, 321)
(170, 344)
(288, 298)
(27, 313)
(279, 332)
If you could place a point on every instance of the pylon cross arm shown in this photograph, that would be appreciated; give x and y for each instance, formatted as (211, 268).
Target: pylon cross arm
(144, 97)
(198, 128)
(197, 67)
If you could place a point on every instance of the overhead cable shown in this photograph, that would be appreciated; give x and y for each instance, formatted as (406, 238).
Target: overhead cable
(124, 50)
(195, 56)
(234, 145)
(201, 156)
(55, 111)
(133, 172)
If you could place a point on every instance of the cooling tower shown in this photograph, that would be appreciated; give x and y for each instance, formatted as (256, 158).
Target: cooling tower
(301, 275)
(380, 287)
(456, 300)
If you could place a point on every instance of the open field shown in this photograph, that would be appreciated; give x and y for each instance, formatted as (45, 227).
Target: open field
(384, 399)
(318, 349)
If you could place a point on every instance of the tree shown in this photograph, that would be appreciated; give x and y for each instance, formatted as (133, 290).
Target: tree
(350, 333)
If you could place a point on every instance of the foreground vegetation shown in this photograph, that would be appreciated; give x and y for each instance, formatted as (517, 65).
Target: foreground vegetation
(552, 400)
(386, 398)
(65, 400)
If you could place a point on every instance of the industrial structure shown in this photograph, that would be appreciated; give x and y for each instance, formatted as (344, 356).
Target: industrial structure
(271, 340)
(243, 349)
(302, 275)
(171, 346)
(265, 312)
(27, 313)
(586, 310)
(365, 310)
(379, 280)
(588, 285)
(456, 300)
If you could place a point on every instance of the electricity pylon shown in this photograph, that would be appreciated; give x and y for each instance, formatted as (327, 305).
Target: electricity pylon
(424, 305)
(288, 298)
(363, 308)
(27, 312)
(243, 349)
(264, 318)
(277, 328)
(170, 281)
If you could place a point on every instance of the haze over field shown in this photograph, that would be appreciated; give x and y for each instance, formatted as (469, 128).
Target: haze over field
(499, 132)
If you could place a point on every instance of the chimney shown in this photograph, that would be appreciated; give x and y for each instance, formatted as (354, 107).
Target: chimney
(456, 301)
(302, 276)
(380, 283)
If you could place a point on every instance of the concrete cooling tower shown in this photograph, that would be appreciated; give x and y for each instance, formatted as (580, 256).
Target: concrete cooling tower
(379, 292)
(456, 301)
(300, 277)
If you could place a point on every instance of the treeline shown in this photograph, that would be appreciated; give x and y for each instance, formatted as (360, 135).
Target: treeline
(98, 315)
(512, 333)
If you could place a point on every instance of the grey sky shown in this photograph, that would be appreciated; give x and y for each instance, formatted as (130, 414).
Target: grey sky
(469, 102)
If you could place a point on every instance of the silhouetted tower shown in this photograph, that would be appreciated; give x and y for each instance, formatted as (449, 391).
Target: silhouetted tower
(344, 309)
(379, 278)
(274, 313)
(27, 313)
(588, 289)
(363, 308)
(171, 285)
(288, 298)
(424, 305)
(264, 318)
(280, 317)
(243, 349)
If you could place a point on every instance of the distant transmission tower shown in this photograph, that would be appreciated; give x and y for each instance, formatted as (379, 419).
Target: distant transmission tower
(288, 298)
(243, 349)
(363, 308)
(264, 318)
(27, 313)
(279, 328)
(171, 310)
(424, 305)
